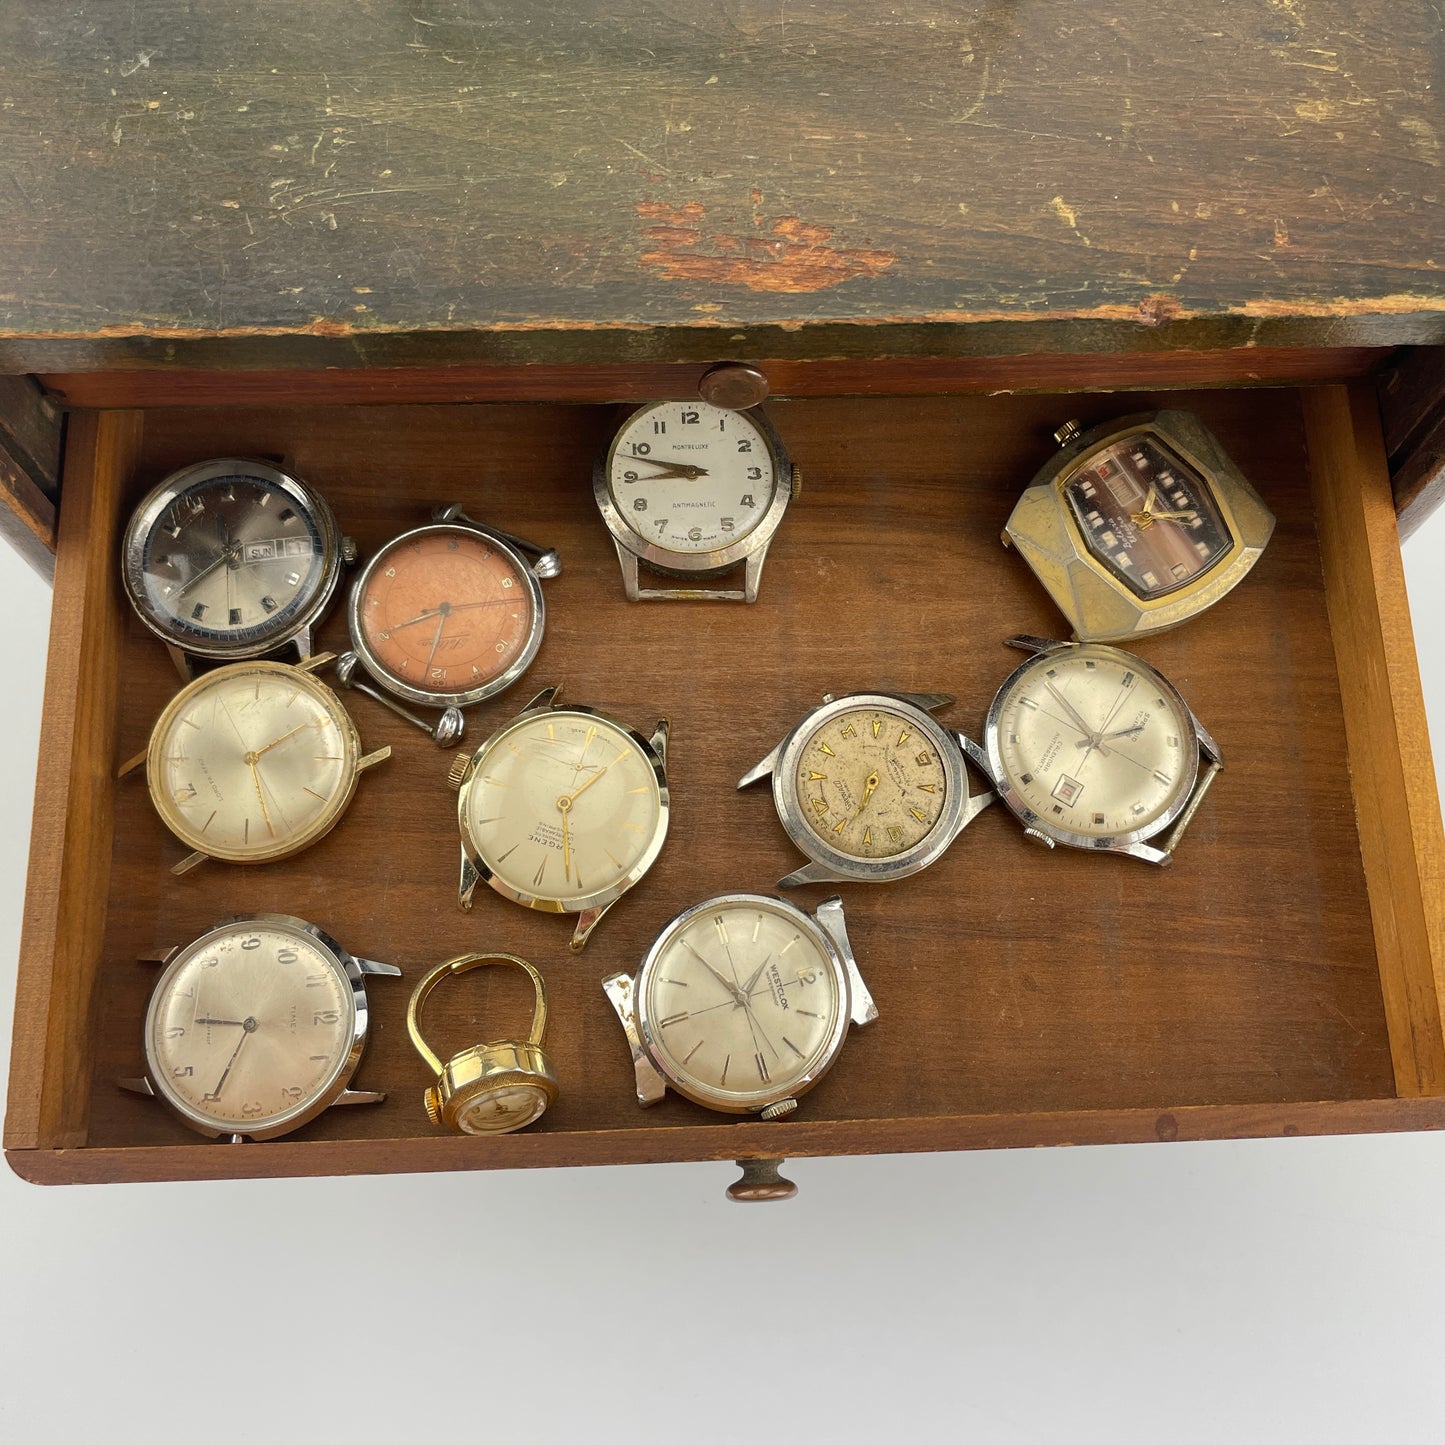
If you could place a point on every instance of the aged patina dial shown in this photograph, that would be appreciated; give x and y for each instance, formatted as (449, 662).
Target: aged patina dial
(232, 558)
(563, 810)
(872, 783)
(742, 1003)
(1091, 747)
(1147, 515)
(693, 490)
(256, 1027)
(253, 762)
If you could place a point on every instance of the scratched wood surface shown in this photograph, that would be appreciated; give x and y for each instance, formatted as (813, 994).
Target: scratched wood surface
(1010, 981)
(344, 182)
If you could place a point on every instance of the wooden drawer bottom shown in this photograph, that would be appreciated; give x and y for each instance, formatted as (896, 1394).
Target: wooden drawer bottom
(1278, 978)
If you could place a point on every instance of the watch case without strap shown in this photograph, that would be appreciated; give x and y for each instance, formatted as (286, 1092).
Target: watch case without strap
(750, 550)
(467, 773)
(1089, 518)
(252, 541)
(1194, 782)
(833, 865)
(653, 1072)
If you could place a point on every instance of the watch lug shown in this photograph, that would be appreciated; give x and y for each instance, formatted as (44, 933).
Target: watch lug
(1145, 852)
(357, 1096)
(191, 860)
(544, 699)
(977, 802)
(161, 956)
(131, 764)
(976, 756)
(183, 664)
(763, 769)
(631, 584)
(314, 662)
(1025, 643)
(372, 759)
(660, 735)
(1207, 745)
(753, 572)
(467, 886)
(587, 920)
(928, 701)
(370, 965)
(651, 1086)
(829, 915)
(137, 1086)
(302, 640)
(811, 873)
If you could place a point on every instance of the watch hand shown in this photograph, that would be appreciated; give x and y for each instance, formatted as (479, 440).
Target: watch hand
(247, 1027)
(1175, 516)
(1069, 708)
(757, 974)
(565, 804)
(573, 798)
(436, 641)
(238, 1023)
(678, 469)
(261, 797)
(1121, 733)
(276, 742)
(870, 785)
(732, 988)
(204, 572)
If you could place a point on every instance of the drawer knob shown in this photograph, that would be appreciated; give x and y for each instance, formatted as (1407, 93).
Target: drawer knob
(761, 1182)
(733, 385)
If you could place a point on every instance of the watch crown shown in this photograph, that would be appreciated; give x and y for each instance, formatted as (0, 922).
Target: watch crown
(348, 551)
(797, 481)
(433, 1105)
(1035, 836)
(778, 1110)
(458, 770)
(1069, 432)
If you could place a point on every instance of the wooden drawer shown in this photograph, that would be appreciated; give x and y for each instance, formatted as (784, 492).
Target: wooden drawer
(1282, 977)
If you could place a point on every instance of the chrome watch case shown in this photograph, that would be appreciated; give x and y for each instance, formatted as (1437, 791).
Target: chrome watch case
(590, 909)
(1205, 764)
(1098, 605)
(627, 994)
(751, 551)
(829, 865)
(336, 1091)
(296, 626)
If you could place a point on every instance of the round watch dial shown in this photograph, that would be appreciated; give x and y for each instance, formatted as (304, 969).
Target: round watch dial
(690, 477)
(250, 1026)
(1151, 519)
(229, 558)
(564, 806)
(501, 1110)
(252, 762)
(1094, 742)
(444, 610)
(742, 1002)
(871, 783)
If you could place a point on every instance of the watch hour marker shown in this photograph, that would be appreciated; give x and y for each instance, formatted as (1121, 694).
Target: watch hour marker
(1138, 808)
(293, 579)
(673, 1019)
(503, 858)
(877, 726)
(285, 514)
(927, 788)
(804, 1013)
(1162, 776)
(1026, 779)
(903, 738)
(867, 837)
(757, 925)
(895, 834)
(726, 1064)
(541, 869)
(722, 929)
(1098, 820)
(318, 796)
(824, 748)
(762, 1068)
(1028, 702)
(840, 825)
(687, 1058)
(235, 615)
(270, 604)
(198, 611)
(913, 812)
(817, 777)
(208, 822)
(789, 944)
(793, 1046)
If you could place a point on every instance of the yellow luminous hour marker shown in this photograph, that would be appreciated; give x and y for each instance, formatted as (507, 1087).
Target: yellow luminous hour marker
(927, 788)
(877, 726)
(903, 738)
(867, 837)
(824, 748)
(788, 945)
(921, 818)
(817, 777)
(841, 824)
(820, 805)
(551, 734)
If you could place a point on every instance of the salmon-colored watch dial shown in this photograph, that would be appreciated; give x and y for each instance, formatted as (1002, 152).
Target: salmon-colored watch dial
(445, 611)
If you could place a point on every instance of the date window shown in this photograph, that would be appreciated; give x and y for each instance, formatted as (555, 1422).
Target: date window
(1067, 790)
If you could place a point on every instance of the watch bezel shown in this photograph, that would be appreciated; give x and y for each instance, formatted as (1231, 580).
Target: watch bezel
(428, 698)
(922, 854)
(1098, 604)
(146, 517)
(1091, 842)
(695, 564)
(335, 1084)
(603, 897)
(324, 822)
(727, 1101)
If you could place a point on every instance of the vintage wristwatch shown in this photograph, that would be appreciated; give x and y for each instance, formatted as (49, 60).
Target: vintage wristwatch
(742, 1004)
(256, 1027)
(1138, 525)
(870, 786)
(232, 558)
(691, 490)
(1091, 747)
(563, 809)
(253, 762)
(447, 615)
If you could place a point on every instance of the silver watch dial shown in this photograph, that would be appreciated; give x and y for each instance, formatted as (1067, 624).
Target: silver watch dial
(230, 558)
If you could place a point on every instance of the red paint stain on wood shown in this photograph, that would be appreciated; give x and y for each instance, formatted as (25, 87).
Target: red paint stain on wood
(783, 254)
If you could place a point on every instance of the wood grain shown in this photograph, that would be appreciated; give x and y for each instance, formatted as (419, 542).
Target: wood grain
(1391, 769)
(1012, 983)
(881, 376)
(1412, 415)
(65, 901)
(350, 184)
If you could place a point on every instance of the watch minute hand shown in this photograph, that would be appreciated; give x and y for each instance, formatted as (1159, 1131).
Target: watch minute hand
(678, 469)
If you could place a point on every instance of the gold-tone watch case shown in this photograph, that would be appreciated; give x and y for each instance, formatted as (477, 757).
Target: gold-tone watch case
(1098, 605)
(301, 674)
(590, 907)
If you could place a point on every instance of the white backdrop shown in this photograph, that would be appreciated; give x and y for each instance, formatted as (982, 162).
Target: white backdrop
(1271, 1291)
